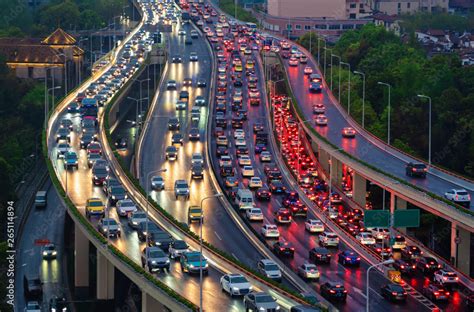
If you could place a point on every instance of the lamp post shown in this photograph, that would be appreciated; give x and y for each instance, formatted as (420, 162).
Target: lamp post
(137, 101)
(388, 113)
(79, 70)
(389, 261)
(200, 247)
(330, 175)
(325, 48)
(429, 125)
(146, 208)
(141, 98)
(349, 88)
(46, 104)
(65, 71)
(323, 39)
(363, 95)
(339, 83)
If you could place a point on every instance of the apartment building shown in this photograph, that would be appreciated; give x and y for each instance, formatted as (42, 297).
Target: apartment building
(397, 7)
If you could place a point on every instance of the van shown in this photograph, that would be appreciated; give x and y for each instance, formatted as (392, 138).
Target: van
(40, 199)
(244, 199)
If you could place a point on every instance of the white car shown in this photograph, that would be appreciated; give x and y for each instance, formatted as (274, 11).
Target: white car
(308, 70)
(321, 120)
(309, 271)
(460, 196)
(333, 214)
(365, 238)
(171, 85)
(314, 226)
(254, 214)
(197, 159)
(446, 277)
(235, 284)
(125, 207)
(239, 133)
(293, 61)
(319, 108)
(380, 233)
(225, 160)
(240, 142)
(182, 32)
(247, 171)
(135, 218)
(33, 306)
(269, 268)
(265, 156)
(193, 57)
(244, 160)
(62, 148)
(270, 231)
(328, 239)
(255, 182)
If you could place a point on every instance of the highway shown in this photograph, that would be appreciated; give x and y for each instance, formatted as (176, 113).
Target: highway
(365, 146)
(42, 224)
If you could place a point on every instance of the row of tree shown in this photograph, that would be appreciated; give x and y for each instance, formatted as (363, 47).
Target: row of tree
(383, 57)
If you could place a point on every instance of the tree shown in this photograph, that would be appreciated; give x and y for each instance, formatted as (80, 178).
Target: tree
(65, 14)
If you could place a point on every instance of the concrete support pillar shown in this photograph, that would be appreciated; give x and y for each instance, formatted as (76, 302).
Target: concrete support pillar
(105, 278)
(149, 304)
(464, 251)
(81, 259)
(315, 147)
(324, 160)
(453, 240)
(336, 172)
(392, 203)
(359, 189)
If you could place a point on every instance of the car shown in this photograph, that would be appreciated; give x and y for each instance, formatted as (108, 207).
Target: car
(177, 139)
(197, 171)
(125, 207)
(32, 287)
(171, 153)
(244, 160)
(70, 160)
(225, 160)
(319, 109)
(265, 156)
(327, 239)
(146, 227)
(309, 271)
(394, 292)
(62, 149)
(86, 139)
(33, 306)
(188, 40)
(315, 87)
(255, 182)
(308, 70)
(348, 132)
(231, 181)
(222, 140)
(121, 143)
(94, 206)
(155, 259)
(197, 159)
(270, 231)
(284, 249)
(260, 301)
(380, 233)
(247, 171)
(109, 227)
(314, 226)
(239, 133)
(258, 127)
(277, 187)
(193, 262)
(235, 284)
(254, 214)
(176, 59)
(263, 193)
(333, 291)
(411, 252)
(41, 199)
(201, 83)
(320, 255)
(182, 32)
(171, 85)
(303, 59)
(194, 34)
(173, 123)
(445, 277)
(200, 100)
(135, 218)
(298, 209)
(404, 267)
(293, 61)
(195, 213)
(63, 134)
(436, 292)
(194, 134)
(73, 108)
(459, 196)
(116, 193)
(365, 238)
(416, 170)
(160, 239)
(283, 216)
(49, 252)
(382, 249)
(193, 57)
(269, 269)
(240, 142)
(177, 248)
(188, 82)
(181, 188)
(321, 120)
(348, 257)
(428, 265)
(157, 183)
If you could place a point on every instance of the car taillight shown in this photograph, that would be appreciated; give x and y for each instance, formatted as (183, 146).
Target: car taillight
(457, 278)
(348, 259)
(445, 278)
(394, 293)
(436, 293)
(344, 291)
(332, 291)
(281, 248)
(427, 265)
(413, 266)
(447, 293)
(439, 266)
(402, 266)
(358, 258)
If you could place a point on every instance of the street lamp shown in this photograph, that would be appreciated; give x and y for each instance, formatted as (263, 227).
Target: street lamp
(349, 89)
(319, 63)
(389, 261)
(46, 104)
(146, 208)
(330, 175)
(141, 98)
(429, 126)
(200, 246)
(65, 71)
(136, 107)
(339, 83)
(363, 95)
(388, 113)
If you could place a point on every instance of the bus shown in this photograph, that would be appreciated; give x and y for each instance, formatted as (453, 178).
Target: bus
(251, 26)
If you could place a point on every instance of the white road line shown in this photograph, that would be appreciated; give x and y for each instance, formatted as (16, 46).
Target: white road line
(217, 235)
(233, 255)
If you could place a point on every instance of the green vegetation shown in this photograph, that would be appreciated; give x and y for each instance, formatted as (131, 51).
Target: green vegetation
(229, 7)
(383, 57)
(424, 21)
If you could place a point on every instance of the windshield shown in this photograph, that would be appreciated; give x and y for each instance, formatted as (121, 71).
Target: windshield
(195, 210)
(264, 298)
(95, 204)
(118, 191)
(139, 215)
(238, 279)
(156, 254)
(180, 245)
(332, 236)
(109, 222)
(100, 171)
(271, 267)
(462, 193)
(181, 185)
(195, 258)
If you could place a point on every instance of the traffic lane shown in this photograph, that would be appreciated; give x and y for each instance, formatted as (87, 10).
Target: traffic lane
(361, 147)
(40, 225)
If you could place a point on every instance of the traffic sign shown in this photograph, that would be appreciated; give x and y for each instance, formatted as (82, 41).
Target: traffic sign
(377, 218)
(406, 218)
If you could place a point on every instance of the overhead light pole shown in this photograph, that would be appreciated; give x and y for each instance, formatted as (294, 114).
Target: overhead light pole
(339, 83)
(389, 261)
(363, 95)
(388, 113)
(349, 88)
(429, 125)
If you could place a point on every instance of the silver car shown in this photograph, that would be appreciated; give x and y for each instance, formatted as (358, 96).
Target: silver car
(260, 301)
(135, 218)
(157, 183)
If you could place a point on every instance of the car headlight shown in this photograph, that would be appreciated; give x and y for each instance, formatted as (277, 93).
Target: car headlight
(206, 265)
(250, 288)
(277, 308)
(158, 243)
(261, 309)
(167, 260)
(45, 253)
(235, 288)
(54, 253)
(134, 222)
(153, 262)
(96, 177)
(191, 266)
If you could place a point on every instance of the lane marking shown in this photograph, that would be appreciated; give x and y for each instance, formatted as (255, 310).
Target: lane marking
(217, 235)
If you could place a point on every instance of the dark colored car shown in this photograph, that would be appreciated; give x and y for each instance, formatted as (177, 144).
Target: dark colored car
(263, 193)
(99, 174)
(173, 123)
(298, 209)
(393, 292)
(428, 265)
(348, 257)
(277, 187)
(121, 143)
(146, 227)
(320, 254)
(411, 252)
(436, 292)
(197, 171)
(32, 287)
(416, 170)
(404, 267)
(116, 193)
(290, 198)
(283, 216)
(333, 291)
(194, 134)
(160, 239)
(284, 249)
(222, 150)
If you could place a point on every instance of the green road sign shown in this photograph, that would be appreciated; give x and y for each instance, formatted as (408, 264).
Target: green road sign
(377, 218)
(406, 218)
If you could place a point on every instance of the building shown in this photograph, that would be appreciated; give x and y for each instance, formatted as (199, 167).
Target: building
(39, 58)
(322, 9)
(397, 7)
(390, 22)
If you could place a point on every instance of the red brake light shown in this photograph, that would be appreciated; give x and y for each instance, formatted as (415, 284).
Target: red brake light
(427, 265)
(332, 291)
(348, 259)
(394, 293)
(436, 293)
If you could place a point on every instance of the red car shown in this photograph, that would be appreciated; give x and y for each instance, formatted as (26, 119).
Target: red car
(94, 147)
